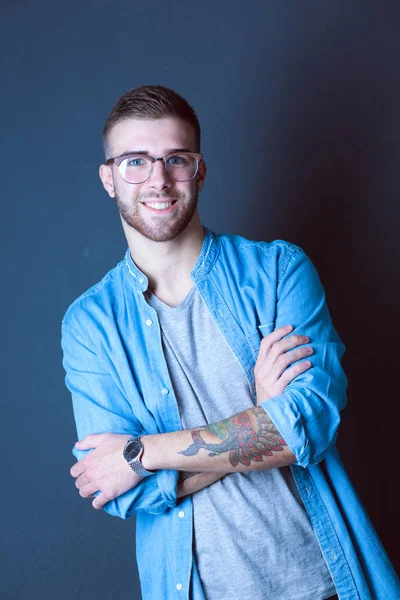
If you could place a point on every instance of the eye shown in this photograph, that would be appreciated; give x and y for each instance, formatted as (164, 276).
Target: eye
(176, 160)
(136, 162)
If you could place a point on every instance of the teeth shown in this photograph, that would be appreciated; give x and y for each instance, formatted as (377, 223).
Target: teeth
(159, 205)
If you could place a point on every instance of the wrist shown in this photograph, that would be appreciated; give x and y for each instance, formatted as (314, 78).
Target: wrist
(161, 451)
(149, 459)
(133, 454)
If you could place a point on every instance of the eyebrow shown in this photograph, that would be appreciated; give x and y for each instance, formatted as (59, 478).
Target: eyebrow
(146, 152)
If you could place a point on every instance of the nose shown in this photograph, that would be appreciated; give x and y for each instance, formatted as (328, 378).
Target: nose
(159, 179)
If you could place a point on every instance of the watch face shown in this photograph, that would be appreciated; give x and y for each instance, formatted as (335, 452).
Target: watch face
(132, 449)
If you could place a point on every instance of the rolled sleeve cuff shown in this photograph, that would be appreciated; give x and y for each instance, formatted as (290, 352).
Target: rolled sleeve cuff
(286, 417)
(154, 494)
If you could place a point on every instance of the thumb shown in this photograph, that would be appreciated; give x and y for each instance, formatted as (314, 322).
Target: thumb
(91, 441)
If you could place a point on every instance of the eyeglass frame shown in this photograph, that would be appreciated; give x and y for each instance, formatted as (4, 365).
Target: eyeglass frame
(118, 160)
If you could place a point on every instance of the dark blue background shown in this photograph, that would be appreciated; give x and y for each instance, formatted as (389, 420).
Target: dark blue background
(300, 110)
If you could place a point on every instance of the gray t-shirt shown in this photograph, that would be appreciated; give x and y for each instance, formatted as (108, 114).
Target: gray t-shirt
(252, 535)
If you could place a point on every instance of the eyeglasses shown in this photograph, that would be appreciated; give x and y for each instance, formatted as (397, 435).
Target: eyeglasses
(137, 168)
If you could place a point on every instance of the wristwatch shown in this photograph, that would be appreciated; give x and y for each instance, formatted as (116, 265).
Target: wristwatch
(133, 452)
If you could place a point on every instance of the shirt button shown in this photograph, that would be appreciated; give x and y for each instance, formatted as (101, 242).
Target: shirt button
(149, 322)
(165, 392)
(181, 514)
(179, 586)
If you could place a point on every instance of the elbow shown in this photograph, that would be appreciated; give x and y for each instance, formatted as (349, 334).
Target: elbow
(124, 508)
(307, 422)
(318, 417)
(318, 436)
(153, 495)
(115, 509)
(318, 455)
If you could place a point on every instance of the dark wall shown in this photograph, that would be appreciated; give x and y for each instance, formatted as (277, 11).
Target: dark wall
(300, 108)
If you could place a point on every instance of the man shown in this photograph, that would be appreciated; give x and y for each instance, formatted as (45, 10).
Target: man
(222, 444)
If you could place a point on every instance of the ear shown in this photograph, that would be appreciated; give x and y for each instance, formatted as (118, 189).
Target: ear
(106, 177)
(201, 175)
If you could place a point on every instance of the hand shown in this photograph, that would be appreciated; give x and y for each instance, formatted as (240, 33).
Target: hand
(271, 372)
(104, 470)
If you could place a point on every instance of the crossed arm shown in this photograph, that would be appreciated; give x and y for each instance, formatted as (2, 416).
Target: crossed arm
(306, 413)
(247, 441)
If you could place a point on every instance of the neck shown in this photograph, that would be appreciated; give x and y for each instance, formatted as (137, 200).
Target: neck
(167, 265)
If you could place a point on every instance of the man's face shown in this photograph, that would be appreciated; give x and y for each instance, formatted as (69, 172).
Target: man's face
(156, 137)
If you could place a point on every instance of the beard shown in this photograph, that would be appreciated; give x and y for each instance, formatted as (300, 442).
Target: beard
(163, 230)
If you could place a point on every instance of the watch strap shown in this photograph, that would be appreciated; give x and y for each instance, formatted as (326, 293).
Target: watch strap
(136, 463)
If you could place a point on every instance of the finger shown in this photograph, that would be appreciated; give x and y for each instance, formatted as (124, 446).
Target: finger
(91, 441)
(82, 480)
(288, 358)
(292, 356)
(279, 348)
(78, 468)
(282, 354)
(291, 342)
(275, 364)
(100, 501)
(292, 372)
(275, 336)
(88, 490)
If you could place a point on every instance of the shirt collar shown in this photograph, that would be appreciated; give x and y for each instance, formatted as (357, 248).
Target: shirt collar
(138, 278)
(207, 257)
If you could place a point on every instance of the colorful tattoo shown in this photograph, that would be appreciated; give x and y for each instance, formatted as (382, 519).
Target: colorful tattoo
(247, 436)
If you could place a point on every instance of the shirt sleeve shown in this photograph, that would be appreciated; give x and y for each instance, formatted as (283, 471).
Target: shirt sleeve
(100, 406)
(307, 413)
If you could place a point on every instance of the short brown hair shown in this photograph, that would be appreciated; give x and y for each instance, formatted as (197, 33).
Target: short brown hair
(150, 102)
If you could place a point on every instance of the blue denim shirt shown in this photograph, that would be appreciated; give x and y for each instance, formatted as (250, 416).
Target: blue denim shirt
(118, 378)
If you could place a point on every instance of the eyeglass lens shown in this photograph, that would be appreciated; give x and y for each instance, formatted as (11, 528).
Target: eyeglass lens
(179, 167)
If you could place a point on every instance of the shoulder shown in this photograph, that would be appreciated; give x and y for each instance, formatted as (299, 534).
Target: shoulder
(279, 253)
(242, 244)
(95, 301)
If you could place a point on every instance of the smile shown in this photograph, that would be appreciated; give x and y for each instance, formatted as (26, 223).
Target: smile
(159, 205)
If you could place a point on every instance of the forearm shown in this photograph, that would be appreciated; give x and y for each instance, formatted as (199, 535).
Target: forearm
(190, 483)
(247, 441)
